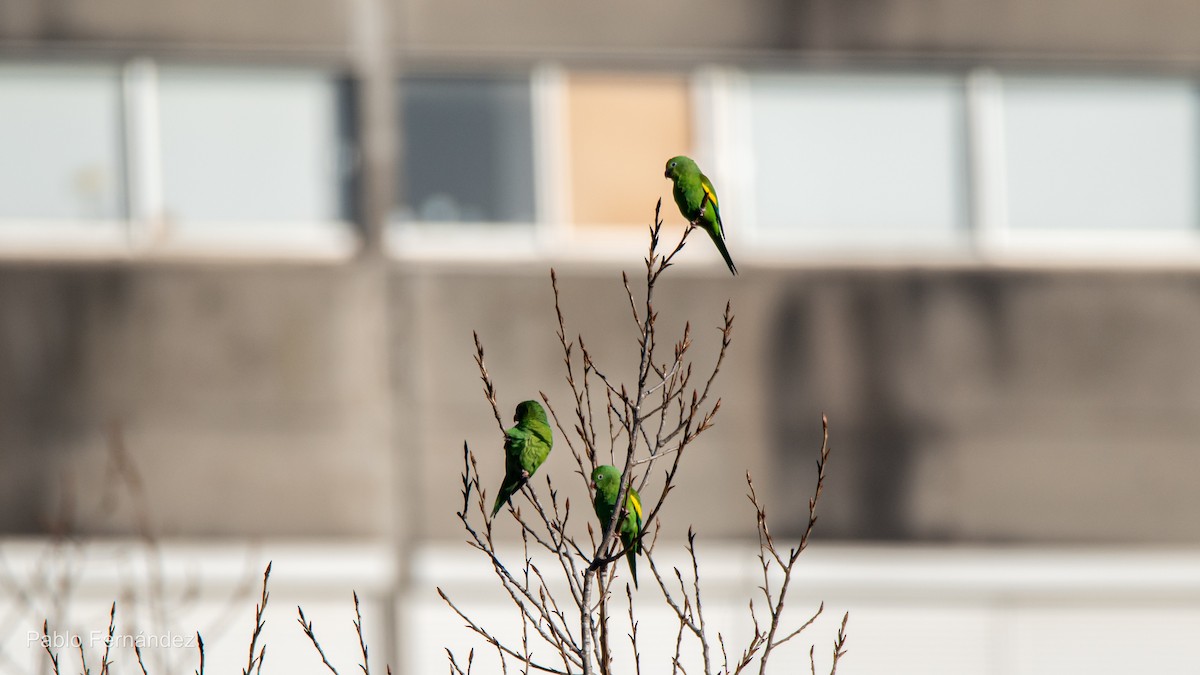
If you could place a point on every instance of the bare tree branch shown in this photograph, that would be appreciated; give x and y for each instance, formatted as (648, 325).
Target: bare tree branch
(656, 416)
(256, 660)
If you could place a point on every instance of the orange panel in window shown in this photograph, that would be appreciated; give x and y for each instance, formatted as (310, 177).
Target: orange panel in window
(622, 129)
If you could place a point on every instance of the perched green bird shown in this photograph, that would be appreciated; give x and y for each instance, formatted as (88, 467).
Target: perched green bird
(526, 446)
(697, 201)
(607, 480)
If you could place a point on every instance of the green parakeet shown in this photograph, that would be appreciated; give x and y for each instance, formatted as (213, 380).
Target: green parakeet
(697, 201)
(607, 480)
(526, 446)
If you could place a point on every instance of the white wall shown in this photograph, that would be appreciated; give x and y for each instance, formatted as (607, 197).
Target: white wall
(919, 610)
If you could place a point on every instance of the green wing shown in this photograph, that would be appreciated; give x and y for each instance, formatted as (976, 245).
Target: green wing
(713, 224)
(633, 519)
(515, 442)
(536, 446)
(682, 196)
(711, 193)
(630, 530)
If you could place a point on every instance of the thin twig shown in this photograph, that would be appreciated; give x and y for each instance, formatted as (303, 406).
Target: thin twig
(137, 651)
(454, 667)
(839, 644)
(362, 643)
(200, 647)
(775, 604)
(82, 657)
(112, 618)
(633, 632)
(256, 661)
(492, 640)
(46, 643)
(704, 648)
(489, 389)
(307, 626)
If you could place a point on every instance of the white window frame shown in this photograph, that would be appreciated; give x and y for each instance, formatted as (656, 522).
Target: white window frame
(551, 235)
(988, 237)
(734, 153)
(511, 241)
(144, 232)
(66, 238)
(995, 238)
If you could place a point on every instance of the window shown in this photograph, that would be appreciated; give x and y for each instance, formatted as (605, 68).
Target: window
(858, 158)
(253, 146)
(1100, 154)
(467, 150)
(107, 157)
(621, 130)
(63, 159)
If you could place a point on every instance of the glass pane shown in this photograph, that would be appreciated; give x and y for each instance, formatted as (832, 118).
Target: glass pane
(60, 144)
(622, 129)
(1100, 154)
(251, 145)
(467, 150)
(843, 156)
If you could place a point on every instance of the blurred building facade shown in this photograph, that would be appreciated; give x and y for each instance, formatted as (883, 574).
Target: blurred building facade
(256, 237)
(244, 245)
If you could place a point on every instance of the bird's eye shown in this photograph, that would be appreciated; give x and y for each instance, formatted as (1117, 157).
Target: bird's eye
(672, 165)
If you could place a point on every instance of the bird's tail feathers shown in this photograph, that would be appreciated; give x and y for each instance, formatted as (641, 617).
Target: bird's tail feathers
(500, 499)
(507, 490)
(720, 242)
(631, 556)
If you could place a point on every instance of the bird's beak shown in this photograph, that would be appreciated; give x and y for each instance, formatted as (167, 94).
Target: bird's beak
(667, 173)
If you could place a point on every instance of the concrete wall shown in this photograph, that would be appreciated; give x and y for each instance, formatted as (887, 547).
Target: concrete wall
(965, 404)
(976, 404)
(1110, 29)
(970, 403)
(252, 399)
(310, 24)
